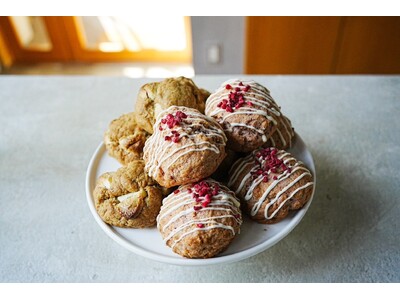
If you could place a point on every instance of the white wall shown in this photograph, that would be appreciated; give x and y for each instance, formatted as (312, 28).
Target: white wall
(228, 33)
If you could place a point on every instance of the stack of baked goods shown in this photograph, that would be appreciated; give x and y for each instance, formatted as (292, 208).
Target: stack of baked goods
(192, 162)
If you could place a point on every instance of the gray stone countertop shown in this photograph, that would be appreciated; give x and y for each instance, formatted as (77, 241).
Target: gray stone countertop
(51, 126)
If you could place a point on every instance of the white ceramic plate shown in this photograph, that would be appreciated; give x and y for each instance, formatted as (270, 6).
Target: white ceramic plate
(253, 238)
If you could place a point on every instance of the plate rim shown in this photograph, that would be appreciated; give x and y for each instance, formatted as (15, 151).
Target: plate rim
(108, 229)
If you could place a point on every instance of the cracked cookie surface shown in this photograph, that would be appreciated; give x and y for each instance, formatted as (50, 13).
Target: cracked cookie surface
(124, 139)
(128, 197)
(157, 96)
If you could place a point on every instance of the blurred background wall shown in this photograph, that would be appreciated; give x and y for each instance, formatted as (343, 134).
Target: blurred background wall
(139, 47)
(218, 45)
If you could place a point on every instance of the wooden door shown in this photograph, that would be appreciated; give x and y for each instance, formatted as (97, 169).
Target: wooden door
(369, 45)
(323, 45)
(291, 45)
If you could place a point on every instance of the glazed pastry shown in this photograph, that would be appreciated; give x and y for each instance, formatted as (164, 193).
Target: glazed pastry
(128, 197)
(199, 220)
(270, 183)
(186, 147)
(157, 96)
(246, 111)
(124, 139)
(283, 135)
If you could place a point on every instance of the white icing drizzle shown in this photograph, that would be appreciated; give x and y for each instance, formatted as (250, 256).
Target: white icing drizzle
(287, 127)
(159, 147)
(238, 166)
(224, 201)
(248, 161)
(266, 106)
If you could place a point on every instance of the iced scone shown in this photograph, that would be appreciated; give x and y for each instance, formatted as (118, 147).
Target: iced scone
(270, 183)
(200, 220)
(186, 146)
(246, 111)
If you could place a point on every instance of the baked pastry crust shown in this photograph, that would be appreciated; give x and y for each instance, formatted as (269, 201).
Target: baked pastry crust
(124, 139)
(128, 197)
(282, 137)
(157, 96)
(246, 111)
(200, 220)
(183, 149)
(270, 183)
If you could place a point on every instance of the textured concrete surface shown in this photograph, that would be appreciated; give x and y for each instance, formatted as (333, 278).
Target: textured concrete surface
(50, 127)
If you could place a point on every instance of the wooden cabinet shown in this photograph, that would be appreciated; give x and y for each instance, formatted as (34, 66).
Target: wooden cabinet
(322, 45)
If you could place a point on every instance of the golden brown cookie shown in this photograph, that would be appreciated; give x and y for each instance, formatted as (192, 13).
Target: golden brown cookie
(124, 139)
(186, 147)
(200, 220)
(128, 197)
(270, 182)
(157, 96)
(246, 111)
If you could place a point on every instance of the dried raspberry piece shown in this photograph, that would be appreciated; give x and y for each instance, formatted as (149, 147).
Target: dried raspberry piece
(236, 98)
(268, 161)
(205, 203)
(203, 193)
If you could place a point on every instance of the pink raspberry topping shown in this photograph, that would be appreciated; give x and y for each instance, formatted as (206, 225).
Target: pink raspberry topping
(236, 98)
(171, 121)
(268, 162)
(203, 192)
